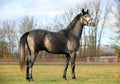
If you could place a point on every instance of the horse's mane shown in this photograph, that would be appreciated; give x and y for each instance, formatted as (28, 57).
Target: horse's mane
(73, 23)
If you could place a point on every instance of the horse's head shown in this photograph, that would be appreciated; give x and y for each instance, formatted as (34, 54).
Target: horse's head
(86, 18)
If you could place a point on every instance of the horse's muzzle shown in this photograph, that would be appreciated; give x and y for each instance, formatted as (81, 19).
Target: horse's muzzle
(92, 23)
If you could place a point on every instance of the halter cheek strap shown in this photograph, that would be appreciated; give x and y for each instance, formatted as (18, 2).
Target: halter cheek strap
(87, 20)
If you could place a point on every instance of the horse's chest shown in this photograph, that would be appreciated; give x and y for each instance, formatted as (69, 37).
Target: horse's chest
(73, 45)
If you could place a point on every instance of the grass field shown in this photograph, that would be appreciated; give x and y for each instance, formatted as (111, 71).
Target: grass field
(52, 74)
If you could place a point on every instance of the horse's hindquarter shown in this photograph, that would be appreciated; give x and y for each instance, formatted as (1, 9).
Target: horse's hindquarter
(35, 40)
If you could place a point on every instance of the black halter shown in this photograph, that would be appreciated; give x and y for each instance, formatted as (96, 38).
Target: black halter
(87, 20)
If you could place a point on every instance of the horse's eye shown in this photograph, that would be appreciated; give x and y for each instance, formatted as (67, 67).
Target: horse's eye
(85, 16)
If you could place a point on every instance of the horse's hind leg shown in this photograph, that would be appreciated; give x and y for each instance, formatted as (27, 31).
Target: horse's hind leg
(27, 69)
(30, 63)
(27, 65)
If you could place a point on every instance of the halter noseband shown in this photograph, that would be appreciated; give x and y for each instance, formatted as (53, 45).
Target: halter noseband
(87, 20)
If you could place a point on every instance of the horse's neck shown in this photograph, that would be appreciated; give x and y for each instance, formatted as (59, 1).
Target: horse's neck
(77, 30)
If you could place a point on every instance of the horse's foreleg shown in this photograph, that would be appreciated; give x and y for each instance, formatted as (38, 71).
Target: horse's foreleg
(66, 65)
(73, 57)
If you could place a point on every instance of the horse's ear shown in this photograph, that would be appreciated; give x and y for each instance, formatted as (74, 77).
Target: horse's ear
(82, 10)
(87, 11)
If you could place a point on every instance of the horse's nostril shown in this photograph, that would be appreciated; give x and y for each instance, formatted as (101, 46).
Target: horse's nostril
(93, 24)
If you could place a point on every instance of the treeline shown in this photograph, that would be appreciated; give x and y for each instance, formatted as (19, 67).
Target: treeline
(90, 43)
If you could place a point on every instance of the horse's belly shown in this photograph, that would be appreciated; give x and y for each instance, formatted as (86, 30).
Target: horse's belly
(55, 47)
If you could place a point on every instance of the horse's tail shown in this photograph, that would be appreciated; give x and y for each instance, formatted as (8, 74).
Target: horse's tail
(23, 41)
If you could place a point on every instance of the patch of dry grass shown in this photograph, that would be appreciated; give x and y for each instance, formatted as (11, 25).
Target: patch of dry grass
(52, 74)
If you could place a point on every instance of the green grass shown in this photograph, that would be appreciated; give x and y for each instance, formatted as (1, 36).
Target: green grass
(52, 74)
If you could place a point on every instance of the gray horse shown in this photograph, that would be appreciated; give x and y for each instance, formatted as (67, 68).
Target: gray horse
(65, 41)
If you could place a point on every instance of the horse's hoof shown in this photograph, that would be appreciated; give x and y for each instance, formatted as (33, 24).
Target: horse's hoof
(73, 77)
(30, 80)
(65, 77)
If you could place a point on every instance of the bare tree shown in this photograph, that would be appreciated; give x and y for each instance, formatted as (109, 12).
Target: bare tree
(2, 45)
(116, 39)
(8, 36)
(103, 23)
(27, 23)
(117, 23)
(95, 6)
(100, 13)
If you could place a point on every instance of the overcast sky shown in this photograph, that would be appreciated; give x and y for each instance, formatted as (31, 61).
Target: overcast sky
(11, 9)
(42, 9)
